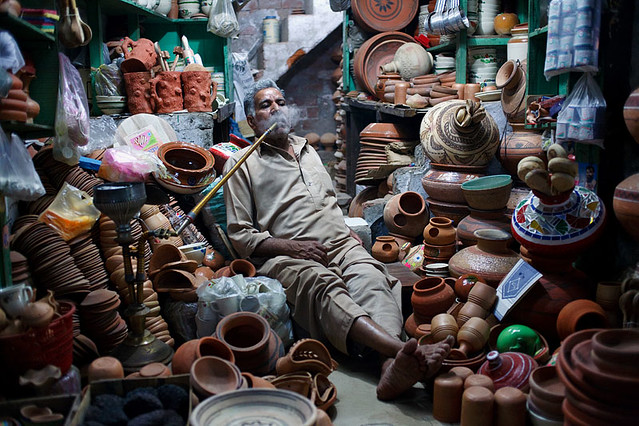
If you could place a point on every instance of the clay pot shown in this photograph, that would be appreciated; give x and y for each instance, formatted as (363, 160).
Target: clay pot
(184, 357)
(504, 22)
(488, 192)
(625, 203)
(461, 88)
(517, 145)
(479, 380)
(38, 315)
(439, 253)
(255, 346)
(139, 55)
(155, 369)
(223, 272)
(410, 60)
(256, 382)
(242, 267)
(439, 231)
(470, 90)
(477, 407)
(490, 258)
(406, 214)
(191, 164)
(442, 326)
(211, 375)
(470, 310)
(431, 296)
(464, 283)
(381, 83)
(385, 249)
(204, 272)
(166, 92)
(443, 182)
(198, 90)
(138, 92)
(447, 396)
(482, 219)
(211, 346)
(472, 337)
(509, 369)
(510, 407)
(213, 259)
(580, 315)
(162, 255)
(104, 368)
(545, 383)
(483, 295)
(462, 372)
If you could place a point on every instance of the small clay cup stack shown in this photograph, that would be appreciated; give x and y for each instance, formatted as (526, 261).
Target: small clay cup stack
(87, 258)
(439, 239)
(19, 267)
(101, 321)
(481, 298)
(472, 337)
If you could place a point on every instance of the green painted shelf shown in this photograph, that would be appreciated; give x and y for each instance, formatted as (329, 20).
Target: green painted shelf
(27, 31)
(488, 40)
(445, 47)
(129, 7)
(538, 32)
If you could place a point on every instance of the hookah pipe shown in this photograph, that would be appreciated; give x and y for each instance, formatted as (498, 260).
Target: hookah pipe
(190, 217)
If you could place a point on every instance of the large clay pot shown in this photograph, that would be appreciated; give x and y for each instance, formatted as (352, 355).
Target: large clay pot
(579, 315)
(459, 132)
(443, 181)
(406, 214)
(166, 92)
(481, 219)
(184, 357)
(520, 143)
(385, 249)
(189, 163)
(508, 369)
(138, 92)
(431, 296)
(198, 91)
(626, 205)
(139, 55)
(555, 227)
(440, 231)
(411, 60)
(490, 258)
(256, 347)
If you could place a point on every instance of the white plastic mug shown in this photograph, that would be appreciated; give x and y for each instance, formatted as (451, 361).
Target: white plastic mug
(15, 298)
(226, 305)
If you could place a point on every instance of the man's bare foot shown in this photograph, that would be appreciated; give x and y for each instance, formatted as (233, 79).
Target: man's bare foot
(430, 357)
(399, 374)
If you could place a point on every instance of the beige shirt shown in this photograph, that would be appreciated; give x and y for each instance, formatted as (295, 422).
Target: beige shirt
(275, 195)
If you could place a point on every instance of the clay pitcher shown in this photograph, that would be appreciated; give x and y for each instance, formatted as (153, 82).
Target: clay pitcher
(198, 90)
(138, 91)
(139, 55)
(166, 92)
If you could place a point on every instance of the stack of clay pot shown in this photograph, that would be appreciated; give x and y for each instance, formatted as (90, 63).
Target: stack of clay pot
(100, 320)
(172, 273)
(406, 216)
(473, 400)
(599, 369)
(154, 219)
(431, 296)
(419, 91)
(439, 240)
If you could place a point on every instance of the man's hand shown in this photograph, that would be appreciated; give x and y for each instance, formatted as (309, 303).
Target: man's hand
(310, 250)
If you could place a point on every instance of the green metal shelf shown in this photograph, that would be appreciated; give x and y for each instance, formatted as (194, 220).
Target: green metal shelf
(487, 40)
(26, 30)
(445, 47)
(538, 32)
(128, 7)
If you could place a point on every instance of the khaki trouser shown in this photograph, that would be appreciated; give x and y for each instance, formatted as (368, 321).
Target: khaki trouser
(326, 301)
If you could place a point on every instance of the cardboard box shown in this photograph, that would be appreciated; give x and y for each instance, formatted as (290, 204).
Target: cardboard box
(67, 405)
(121, 387)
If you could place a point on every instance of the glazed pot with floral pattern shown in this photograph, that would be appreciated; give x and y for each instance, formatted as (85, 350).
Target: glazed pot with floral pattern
(509, 369)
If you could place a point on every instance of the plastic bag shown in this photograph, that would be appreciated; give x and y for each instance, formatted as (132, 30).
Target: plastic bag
(222, 19)
(18, 178)
(109, 81)
(72, 114)
(11, 58)
(582, 116)
(72, 212)
(127, 164)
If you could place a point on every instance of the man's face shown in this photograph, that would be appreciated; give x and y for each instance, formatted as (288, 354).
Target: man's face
(270, 107)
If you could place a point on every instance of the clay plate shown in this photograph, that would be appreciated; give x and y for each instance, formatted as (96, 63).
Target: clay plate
(379, 16)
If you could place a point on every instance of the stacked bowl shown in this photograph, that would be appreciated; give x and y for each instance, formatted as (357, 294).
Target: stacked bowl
(483, 66)
(444, 63)
(488, 9)
(599, 370)
(546, 396)
(112, 104)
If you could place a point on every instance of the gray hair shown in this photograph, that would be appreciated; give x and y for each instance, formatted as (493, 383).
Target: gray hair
(249, 97)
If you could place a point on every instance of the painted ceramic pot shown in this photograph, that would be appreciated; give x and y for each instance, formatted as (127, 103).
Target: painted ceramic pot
(431, 296)
(519, 144)
(490, 258)
(508, 369)
(459, 132)
(439, 231)
(443, 181)
(482, 219)
(556, 227)
(385, 249)
(579, 315)
(626, 205)
(406, 214)
(189, 163)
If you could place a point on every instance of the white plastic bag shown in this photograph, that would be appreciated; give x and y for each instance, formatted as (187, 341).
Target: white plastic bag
(222, 19)
(18, 177)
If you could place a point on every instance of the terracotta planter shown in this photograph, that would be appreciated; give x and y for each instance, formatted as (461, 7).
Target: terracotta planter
(509, 369)
(626, 205)
(406, 214)
(439, 231)
(138, 92)
(490, 258)
(255, 346)
(211, 375)
(166, 92)
(443, 182)
(431, 296)
(580, 315)
(519, 144)
(482, 219)
(184, 357)
(385, 249)
(198, 90)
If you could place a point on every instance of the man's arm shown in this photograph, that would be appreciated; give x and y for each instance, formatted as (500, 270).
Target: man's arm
(311, 250)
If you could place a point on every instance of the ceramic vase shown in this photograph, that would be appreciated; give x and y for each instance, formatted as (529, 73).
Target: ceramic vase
(439, 231)
(490, 258)
(385, 249)
(406, 214)
(138, 91)
(198, 90)
(431, 296)
(625, 203)
(410, 60)
(481, 219)
(509, 369)
(561, 226)
(519, 144)
(459, 132)
(443, 182)
(579, 315)
(166, 92)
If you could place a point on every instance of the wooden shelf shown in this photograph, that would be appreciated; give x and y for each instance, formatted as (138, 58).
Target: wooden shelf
(383, 107)
(28, 131)
(26, 30)
(538, 32)
(488, 40)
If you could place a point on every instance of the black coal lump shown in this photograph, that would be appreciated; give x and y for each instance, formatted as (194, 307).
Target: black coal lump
(175, 398)
(105, 415)
(152, 391)
(136, 403)
(108, 401)
(158, 418)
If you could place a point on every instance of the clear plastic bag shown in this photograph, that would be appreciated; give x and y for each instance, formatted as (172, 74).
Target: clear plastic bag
(72, 212)
(72, 114)
(582, 116)
(18, 177)
(222, 19)
(109, 81)
(127, 164)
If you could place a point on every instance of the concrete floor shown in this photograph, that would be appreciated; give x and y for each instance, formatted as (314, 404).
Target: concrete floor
(357, 404)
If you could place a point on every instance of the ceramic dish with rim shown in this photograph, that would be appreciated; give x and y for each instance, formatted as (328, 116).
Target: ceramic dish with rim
(488, 192)
(618, 345)
(539, 420)
(252, 406)
(490, 95)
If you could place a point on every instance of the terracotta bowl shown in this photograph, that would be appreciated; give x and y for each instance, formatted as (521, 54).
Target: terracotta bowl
(212, 346)
(189, 163)
(506, 75)
(546, 384)
(163, 254)
(488, 192)
(613, 382)
(211, 375)
(617, 346)
(547, 408)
